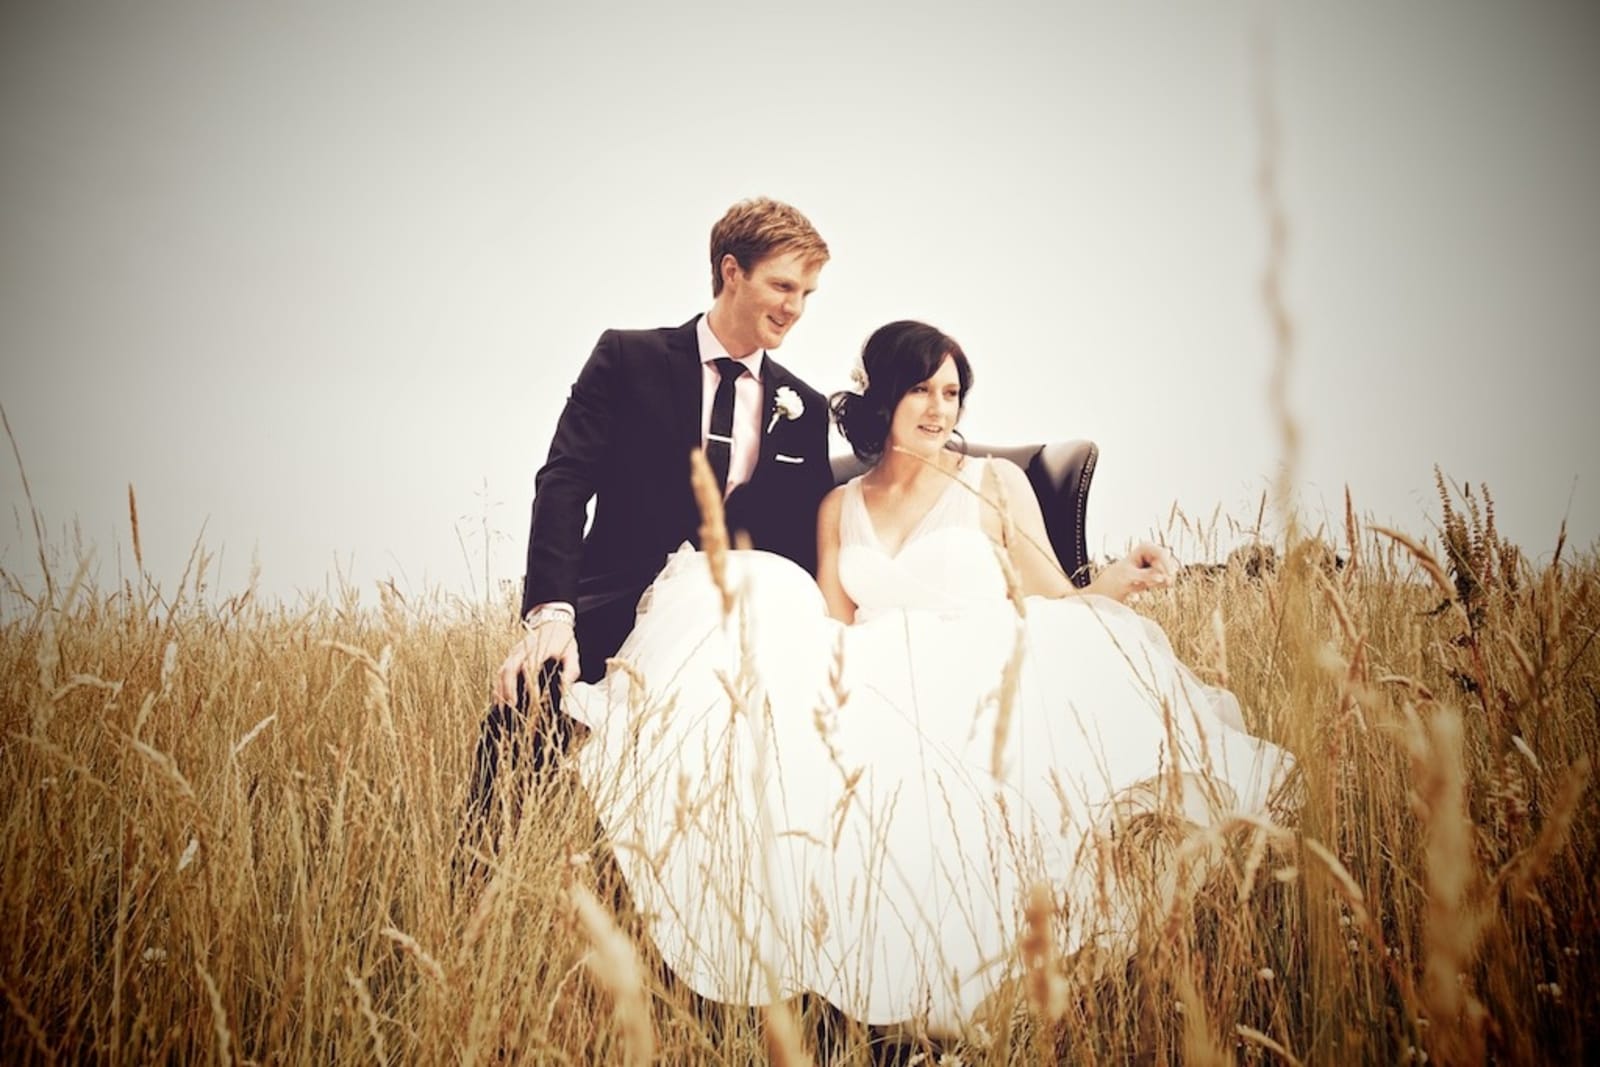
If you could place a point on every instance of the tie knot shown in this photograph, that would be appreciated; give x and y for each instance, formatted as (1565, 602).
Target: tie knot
(729, 368)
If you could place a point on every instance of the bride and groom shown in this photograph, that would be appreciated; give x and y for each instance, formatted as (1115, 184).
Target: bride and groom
(848, 783)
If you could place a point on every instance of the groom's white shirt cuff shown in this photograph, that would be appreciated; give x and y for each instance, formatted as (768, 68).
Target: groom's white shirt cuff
(746, 402)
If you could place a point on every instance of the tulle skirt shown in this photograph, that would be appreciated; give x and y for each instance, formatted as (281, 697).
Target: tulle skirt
(860, 811)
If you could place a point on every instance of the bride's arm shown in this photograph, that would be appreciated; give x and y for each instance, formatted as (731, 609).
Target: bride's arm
(1021, 530)
(1146, 567)
(840, 606)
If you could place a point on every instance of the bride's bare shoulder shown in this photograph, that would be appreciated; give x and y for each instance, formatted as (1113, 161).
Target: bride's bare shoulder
(1004, 468)
(1002, 473)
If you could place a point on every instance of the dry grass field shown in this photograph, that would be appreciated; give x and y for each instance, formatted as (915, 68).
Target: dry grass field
(230, 833)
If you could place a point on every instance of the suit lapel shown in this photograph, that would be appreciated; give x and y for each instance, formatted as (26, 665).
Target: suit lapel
(773, 377)
(686, 380)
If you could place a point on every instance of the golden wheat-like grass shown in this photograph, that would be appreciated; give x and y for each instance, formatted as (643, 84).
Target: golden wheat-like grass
(231, 831)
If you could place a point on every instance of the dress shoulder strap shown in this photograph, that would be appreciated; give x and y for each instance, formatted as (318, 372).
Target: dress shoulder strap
(972, 474)
(853, 515)
(972, 471)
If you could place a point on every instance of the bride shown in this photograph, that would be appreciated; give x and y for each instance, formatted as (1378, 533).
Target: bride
(849, 786)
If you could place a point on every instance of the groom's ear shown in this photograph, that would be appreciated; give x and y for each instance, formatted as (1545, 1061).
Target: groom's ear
(729, 267)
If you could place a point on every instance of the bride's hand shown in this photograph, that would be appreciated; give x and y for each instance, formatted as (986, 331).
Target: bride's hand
(1147, 567)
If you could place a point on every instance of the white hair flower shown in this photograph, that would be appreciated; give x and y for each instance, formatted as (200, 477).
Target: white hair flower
(858, 378)
(787, 403)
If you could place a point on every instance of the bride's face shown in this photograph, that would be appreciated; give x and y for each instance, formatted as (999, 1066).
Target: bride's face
(926, 415)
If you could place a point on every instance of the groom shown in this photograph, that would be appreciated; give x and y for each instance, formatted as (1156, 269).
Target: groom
(642, 403)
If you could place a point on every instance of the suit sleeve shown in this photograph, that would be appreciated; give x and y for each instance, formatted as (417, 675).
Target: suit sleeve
(569, 479)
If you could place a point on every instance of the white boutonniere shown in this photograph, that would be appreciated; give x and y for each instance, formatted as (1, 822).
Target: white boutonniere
(787, 403)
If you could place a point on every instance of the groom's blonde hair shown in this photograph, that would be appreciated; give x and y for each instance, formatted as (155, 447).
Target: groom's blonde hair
(760, 227)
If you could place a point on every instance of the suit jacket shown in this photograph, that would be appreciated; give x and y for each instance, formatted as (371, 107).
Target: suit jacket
(624, 439)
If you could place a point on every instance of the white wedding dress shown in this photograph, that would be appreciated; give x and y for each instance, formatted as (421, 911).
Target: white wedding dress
(861, 810)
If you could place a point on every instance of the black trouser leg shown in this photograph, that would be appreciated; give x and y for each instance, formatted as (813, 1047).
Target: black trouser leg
(537, 730)
(536, 725)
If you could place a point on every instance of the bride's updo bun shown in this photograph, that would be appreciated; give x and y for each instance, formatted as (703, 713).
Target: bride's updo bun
(895, 358)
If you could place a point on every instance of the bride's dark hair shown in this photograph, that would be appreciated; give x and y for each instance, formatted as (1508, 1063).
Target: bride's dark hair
(895, 358)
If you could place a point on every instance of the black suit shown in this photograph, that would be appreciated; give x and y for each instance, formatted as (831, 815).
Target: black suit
(624, 439)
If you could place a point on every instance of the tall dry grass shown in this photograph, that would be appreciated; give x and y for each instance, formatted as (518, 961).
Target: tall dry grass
(231, 834)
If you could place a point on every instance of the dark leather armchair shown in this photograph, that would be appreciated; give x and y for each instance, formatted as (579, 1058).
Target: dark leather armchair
(1060, 473)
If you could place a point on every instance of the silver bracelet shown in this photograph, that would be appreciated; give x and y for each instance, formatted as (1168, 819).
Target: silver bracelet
(549, 613)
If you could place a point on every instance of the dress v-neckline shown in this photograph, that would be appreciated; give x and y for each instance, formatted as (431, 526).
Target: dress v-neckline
(957, 478)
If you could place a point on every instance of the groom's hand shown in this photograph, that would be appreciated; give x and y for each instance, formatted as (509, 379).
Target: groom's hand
(551, 639)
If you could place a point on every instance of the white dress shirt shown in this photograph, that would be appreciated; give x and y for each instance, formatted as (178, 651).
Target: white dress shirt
(746, 402)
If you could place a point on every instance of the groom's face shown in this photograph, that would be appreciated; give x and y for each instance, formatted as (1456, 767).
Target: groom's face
(763, 304)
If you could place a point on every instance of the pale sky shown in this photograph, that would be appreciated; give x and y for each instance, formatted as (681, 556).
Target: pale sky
(315, 278)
